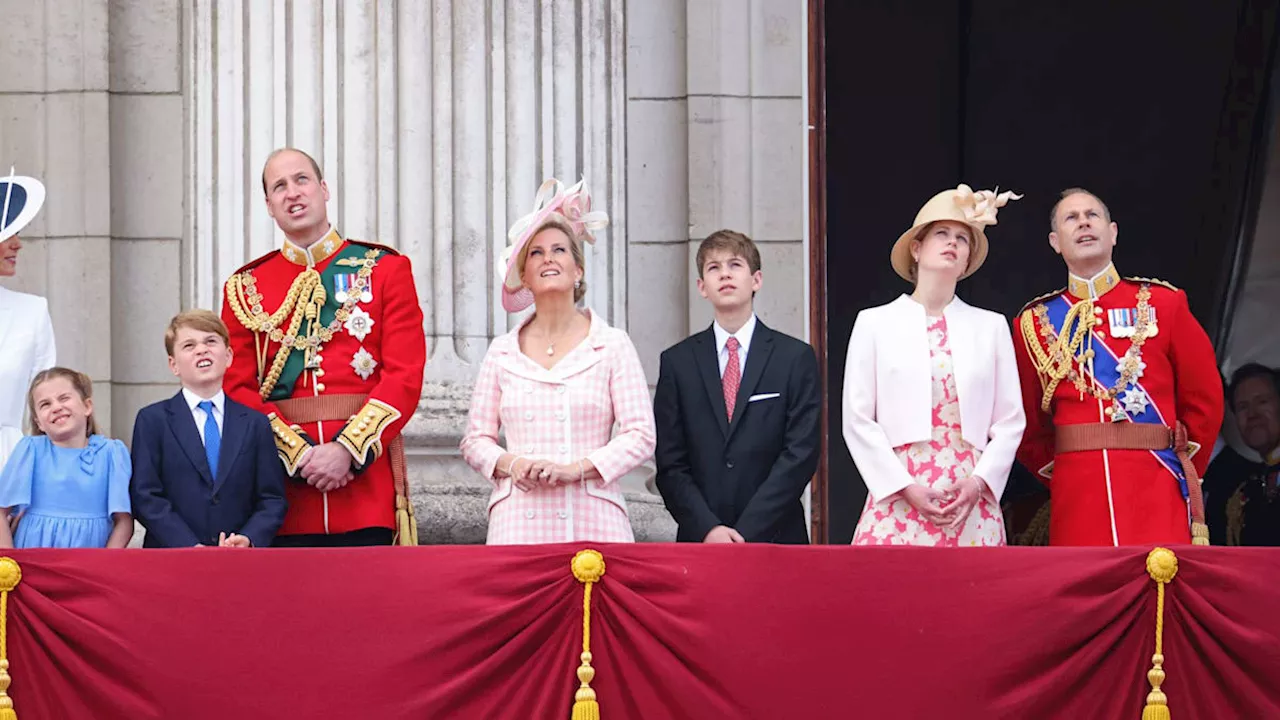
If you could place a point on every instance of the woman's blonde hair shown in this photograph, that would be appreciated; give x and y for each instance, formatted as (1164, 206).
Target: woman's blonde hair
(558, 222)
(79, 381)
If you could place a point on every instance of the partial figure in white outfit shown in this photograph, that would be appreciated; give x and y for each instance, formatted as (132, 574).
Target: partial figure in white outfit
(26, 330)
(932, 405)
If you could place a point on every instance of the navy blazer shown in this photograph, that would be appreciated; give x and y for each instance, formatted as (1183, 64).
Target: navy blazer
(748, 473)
(175, 496)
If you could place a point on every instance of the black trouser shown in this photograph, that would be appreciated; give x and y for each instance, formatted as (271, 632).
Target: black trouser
(355, 538)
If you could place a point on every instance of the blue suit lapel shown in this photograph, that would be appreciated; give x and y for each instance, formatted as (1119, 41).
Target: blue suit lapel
(234, 428)
(183, 427)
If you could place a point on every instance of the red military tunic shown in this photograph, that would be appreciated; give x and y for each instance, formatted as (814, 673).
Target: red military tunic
(1118, 496)
(351, 310)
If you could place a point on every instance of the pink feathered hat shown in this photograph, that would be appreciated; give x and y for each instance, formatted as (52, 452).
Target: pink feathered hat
(574, 204)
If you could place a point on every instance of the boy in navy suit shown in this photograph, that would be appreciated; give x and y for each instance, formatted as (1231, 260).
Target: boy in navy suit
(205, 470)
(737, 409)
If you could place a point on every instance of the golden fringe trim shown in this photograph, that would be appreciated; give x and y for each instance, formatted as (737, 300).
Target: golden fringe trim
(10, 576)
(588, 568)
(1162, 566)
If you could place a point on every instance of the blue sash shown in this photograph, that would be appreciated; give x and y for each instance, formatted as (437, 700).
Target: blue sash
(1106, 370)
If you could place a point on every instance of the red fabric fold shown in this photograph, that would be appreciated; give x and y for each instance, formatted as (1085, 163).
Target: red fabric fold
(678, 631)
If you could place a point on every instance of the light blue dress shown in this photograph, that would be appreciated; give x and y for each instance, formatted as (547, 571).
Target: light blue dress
(69, 494)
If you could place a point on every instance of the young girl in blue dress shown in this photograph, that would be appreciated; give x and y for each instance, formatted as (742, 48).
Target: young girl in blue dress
(66, 485)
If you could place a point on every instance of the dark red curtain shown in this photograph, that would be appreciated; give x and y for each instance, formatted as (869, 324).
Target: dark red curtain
(677, 632)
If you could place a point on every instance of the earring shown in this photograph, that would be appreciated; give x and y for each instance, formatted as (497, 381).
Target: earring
(577, 284)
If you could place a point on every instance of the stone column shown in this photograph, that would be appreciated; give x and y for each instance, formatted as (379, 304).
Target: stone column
(54, 121)
(146, 200)
(715, 139)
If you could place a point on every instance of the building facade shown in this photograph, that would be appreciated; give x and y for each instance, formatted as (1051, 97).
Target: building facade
(434, 122)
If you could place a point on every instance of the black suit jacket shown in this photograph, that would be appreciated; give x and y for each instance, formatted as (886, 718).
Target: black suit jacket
(175, 496)
(748, 473)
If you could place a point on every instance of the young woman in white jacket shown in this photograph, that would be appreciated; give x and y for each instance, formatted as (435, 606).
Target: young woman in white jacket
(932, 406)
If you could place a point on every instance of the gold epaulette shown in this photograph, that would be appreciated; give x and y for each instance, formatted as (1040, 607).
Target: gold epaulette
(256, 261)
(1045, 296)
(1153, 281)
(378, 246)
(290, 443)
(362, 434)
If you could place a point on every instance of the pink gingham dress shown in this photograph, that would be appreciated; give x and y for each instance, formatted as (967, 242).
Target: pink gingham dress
(564, 414)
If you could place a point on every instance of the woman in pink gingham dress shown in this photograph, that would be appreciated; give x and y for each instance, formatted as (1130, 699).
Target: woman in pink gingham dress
(932, 404)
(557, 386)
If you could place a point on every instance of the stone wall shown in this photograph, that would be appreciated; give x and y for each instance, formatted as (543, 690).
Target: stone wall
(435, 121)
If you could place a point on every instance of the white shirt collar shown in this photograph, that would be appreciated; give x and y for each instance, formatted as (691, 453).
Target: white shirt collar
(744, 334)
(219, 400)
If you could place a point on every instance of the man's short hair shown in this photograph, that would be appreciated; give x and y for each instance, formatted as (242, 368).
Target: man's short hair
(198, 320)
(314, 165)
(1248, 371)
(1053, 212)
(733, 242)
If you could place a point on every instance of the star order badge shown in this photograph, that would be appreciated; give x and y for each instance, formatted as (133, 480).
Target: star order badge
(1135, 401)
(359, 324)
(363, 363)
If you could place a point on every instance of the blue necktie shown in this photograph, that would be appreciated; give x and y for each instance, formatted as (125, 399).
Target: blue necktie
(212, 440)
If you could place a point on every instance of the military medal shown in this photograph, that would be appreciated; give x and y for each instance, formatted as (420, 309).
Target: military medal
(359, 324)
(342, 283)
(1124, 322)
(1135, 401)
(363, 363)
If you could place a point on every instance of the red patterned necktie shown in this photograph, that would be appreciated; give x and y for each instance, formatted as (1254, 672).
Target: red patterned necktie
(732, 376)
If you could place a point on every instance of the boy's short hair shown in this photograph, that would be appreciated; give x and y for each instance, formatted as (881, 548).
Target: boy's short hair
(733, 242)
(198, 320)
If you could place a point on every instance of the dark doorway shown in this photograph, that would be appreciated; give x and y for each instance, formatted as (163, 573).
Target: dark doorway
(1158, 107)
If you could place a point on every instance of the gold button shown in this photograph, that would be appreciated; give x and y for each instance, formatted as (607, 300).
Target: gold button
(363, 425)
(293, 443)
(319, 372)
(319, 387)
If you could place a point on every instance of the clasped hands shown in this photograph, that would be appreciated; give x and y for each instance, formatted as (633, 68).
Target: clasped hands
(326, 467)
(528, 474)
(947, 509)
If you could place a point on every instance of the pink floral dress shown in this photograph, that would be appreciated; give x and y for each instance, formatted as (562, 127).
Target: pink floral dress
(938, 463)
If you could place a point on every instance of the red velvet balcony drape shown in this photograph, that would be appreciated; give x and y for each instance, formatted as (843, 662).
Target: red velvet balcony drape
(677, 632)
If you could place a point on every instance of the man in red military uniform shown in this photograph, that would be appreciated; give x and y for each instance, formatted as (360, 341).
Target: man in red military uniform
(1120, 387)
(328, 341)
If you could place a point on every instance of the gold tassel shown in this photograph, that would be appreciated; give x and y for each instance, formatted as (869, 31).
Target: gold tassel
(588, 568)
(406, 523)
(10, 576)
(1199, 533)
(1162, 566)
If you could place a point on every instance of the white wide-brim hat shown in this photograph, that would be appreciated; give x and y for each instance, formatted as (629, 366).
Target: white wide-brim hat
(574, 205)
(20, 199)
(963, 205)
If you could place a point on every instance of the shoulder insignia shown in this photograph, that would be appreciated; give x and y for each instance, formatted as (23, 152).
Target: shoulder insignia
(1153, 281)
(256, 262)
(378, 246)
(1045, 296)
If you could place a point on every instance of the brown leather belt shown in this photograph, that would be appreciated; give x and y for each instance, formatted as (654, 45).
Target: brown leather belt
(1140, 436)
(1112, 436)
(341, 407)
